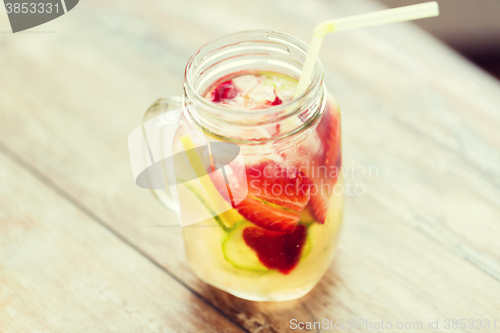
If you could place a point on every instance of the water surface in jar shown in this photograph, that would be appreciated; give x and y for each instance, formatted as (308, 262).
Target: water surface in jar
(252, 90)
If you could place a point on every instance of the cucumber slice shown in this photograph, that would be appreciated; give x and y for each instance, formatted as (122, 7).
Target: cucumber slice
(307, 246)
(237, 253)
(225, 220)
(306, 217)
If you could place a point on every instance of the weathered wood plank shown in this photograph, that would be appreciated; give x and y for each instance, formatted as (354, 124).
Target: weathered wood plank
(60, 271)
(420, 244)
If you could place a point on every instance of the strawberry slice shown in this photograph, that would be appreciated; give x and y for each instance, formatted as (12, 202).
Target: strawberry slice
(319, 205)
(267, 215)
(277, 250)
(286, 187)
(329, 134)
(275, 196)
(225, 90)
(277, 101)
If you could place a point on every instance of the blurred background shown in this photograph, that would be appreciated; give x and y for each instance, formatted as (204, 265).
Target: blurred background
(470, 27)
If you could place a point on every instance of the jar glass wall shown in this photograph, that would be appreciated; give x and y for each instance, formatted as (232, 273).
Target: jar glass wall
(278, 242)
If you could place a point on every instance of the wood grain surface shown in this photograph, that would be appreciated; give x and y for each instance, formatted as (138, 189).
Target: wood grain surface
(80, 246)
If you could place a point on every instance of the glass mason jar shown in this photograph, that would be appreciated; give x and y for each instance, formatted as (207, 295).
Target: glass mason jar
(239, 251)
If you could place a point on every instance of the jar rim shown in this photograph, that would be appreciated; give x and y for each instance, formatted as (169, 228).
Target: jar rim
(285, 109)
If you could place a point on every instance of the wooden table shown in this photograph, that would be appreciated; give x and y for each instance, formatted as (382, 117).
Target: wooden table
(77, 250)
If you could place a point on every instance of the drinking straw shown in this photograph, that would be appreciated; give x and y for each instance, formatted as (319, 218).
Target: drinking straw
(406, 13)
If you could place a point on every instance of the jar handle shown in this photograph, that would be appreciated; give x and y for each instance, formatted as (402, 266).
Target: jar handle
(159, 107)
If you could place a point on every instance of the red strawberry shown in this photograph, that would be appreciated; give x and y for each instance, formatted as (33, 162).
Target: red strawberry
(268, 216)
(329, 133)
(275, 196)
(285, 187)
(277, 250)
(225, 90)
(277, 101)
(275, 131)
(320, 197)
(319, 206)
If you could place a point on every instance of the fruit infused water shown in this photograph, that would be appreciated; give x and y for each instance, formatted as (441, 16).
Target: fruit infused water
(279, 240)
